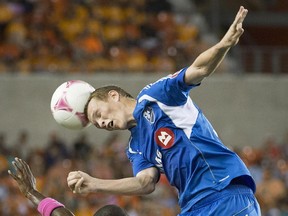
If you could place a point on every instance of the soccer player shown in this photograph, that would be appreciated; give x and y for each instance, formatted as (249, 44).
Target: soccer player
(171, 135)
(46, 205)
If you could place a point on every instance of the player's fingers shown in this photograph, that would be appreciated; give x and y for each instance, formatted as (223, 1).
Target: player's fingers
(240, 21)
(19, 164)
(237, 16)
(72, 175)
(16, 168)
(12, 175)
(71, 183)
(78, 185)
(18, 171)
(240, 16)
(27, 168)
(239, 29)
(80, 173)
(22, 165)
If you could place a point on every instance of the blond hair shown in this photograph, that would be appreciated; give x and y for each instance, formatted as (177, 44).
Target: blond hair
(102, 94)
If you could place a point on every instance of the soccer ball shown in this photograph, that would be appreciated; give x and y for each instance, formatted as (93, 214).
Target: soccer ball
(68, 103)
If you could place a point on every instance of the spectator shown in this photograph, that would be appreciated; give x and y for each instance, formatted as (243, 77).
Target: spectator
(73, 36)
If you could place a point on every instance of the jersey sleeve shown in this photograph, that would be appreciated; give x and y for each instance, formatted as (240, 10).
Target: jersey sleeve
(175, 91)
(177, 80)
(170, 90)
(138, 162)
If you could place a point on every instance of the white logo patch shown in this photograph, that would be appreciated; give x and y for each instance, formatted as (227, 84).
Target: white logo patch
(149, 114)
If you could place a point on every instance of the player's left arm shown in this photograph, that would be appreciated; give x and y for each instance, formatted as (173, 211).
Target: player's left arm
(27, 185)
(208, 61)
(143, 183)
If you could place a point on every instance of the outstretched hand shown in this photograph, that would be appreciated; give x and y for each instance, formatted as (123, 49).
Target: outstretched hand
(23, 176)
(233, 34)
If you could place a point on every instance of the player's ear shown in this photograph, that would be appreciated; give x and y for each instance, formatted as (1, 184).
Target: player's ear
(114, 95)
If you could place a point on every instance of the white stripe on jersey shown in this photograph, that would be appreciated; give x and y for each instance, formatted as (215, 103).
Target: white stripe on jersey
(183, 116)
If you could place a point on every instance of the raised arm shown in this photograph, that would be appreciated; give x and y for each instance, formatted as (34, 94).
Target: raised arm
(27, 185)
(208, 61)
(143, 183)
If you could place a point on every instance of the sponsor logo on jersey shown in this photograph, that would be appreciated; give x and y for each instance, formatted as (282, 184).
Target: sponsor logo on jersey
(158, 160)
(165, 138)
(149, 114)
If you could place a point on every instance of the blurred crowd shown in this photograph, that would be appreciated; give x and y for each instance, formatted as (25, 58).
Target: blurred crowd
(268, 165)
(88, 36)
(51, 164)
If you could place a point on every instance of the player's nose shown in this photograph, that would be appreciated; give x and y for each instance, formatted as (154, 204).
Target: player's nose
(101, 123)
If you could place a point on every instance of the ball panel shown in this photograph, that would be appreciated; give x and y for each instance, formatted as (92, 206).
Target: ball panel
(61, 115)
(68, 102)
(56, 95)
(78, 95)
(73, 122)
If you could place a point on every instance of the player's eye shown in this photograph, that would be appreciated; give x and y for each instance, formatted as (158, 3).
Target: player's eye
(97, 114)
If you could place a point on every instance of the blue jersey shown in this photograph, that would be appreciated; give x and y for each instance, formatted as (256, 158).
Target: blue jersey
(173, 135)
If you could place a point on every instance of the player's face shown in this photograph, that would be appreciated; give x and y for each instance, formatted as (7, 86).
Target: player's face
(109, 115)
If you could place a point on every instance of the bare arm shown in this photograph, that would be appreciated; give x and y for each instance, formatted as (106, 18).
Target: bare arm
(27, 185)
(143, 183)
(208, 61)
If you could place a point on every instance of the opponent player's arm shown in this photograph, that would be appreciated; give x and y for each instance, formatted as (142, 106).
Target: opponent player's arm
(208, 61)
(27, 185)
(143, 183)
